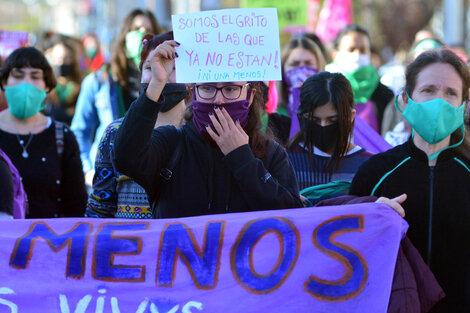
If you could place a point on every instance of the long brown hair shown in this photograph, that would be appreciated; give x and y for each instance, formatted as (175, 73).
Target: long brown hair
(318, 90)
(446, 56)
(119, 64)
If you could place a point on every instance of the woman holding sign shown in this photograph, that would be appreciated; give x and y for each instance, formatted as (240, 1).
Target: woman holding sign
(218, 162)
(433, 169)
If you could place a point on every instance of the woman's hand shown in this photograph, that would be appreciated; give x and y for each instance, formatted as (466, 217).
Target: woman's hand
(229, 135)
(394, 203)
(162, 62)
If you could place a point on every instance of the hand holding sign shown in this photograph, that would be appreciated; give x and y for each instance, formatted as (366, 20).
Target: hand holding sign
(162, 62)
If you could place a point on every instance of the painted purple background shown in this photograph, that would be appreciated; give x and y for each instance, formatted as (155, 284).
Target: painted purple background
(43, 286)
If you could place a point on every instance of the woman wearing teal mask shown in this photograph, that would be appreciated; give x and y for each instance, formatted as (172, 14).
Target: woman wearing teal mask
(433, 170)
(107, 93)
(45, 152)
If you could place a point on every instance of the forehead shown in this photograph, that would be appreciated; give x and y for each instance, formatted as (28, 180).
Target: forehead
(300, 53)
(353, 39)
(440, 75)
(141, 21)
(326, 110)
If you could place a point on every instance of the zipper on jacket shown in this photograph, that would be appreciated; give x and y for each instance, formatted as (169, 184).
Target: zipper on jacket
(431, 204)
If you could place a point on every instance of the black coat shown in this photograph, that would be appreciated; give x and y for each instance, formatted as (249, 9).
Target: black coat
(437, 210)
(204, 181)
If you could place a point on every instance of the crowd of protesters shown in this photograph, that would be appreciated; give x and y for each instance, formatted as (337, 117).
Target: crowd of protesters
(83, 136)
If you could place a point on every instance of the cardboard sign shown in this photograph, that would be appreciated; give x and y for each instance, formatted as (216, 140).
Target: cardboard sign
(227, 45)
(326, 259)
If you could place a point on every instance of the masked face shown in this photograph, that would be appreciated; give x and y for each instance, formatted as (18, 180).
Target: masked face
(208, 96)
(24, 100)
(299, 57)
(353, 52)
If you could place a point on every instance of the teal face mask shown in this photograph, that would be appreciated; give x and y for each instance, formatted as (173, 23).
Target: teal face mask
(433, 120)
(24, 100)
(134, 45)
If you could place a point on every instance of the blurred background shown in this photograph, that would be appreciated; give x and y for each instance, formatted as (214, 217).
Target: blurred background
(392, 23)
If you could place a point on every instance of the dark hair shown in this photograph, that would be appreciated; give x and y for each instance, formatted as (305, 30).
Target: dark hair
(313, 37)
(446, 56)
(307, 44)
(28, 57)
(119, 64)
(150, 42)
(351, 28)
(321, 89)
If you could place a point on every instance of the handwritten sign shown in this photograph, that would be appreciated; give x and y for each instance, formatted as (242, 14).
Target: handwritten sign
(326, 259)
(227, 45)
(11, 40)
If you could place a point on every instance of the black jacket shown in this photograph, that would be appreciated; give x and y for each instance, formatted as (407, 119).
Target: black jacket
(437, 210)
(204, 181)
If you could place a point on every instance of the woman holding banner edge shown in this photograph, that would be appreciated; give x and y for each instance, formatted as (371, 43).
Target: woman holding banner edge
(226, 163)
(433, 169)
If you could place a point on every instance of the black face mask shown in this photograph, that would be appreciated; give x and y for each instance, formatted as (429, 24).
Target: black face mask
(324, 137)
(63, 70)
(172, 94)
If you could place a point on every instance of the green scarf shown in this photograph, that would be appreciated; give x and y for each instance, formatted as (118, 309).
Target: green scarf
(363, 82)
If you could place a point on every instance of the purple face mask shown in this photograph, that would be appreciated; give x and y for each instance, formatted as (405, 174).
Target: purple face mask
(294, 78)
(237, 110)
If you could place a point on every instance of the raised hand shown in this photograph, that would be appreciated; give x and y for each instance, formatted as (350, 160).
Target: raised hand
(228, 135)
(162, 62)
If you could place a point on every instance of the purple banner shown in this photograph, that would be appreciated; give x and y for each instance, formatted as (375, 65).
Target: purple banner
(327, 259)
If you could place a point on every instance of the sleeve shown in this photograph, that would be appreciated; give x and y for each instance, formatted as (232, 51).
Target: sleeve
(6, 186)
(141, 152)
(102, 201)
(275, 188)
(85, 119)
(73, 192)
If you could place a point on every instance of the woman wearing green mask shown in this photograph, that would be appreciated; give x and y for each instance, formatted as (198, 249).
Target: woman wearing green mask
(45, 152)
(433, 170)
(107, 93)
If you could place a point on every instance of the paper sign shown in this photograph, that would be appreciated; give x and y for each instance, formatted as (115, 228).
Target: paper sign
(11, 40)
(227, 45)
(325, 259)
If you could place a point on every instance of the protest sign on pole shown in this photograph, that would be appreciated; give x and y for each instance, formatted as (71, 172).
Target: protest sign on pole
(227, 45)
(325, 259)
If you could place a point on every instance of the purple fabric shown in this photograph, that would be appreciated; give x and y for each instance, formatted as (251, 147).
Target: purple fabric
(326, 259)
(237, 110)
(20, 198)
(367, 112)
(294, 79)
(366, 137)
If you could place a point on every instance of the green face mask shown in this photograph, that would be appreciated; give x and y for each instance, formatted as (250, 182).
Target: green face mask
(134, 45)
(363, 82)
(24, 100)
(433, 120)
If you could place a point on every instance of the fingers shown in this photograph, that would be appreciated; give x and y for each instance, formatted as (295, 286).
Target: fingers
(393, 204)
(211, 133)
(216, 123)
(400, 199)
(167, 49)
(224, 118)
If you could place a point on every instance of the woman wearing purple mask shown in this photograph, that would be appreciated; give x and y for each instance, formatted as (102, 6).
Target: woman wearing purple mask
(225, 162)
(301, 58)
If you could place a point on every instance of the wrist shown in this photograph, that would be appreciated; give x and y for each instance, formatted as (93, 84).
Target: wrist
(154, 90)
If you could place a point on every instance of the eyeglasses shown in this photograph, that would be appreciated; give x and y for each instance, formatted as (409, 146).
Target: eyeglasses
(230, 92)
